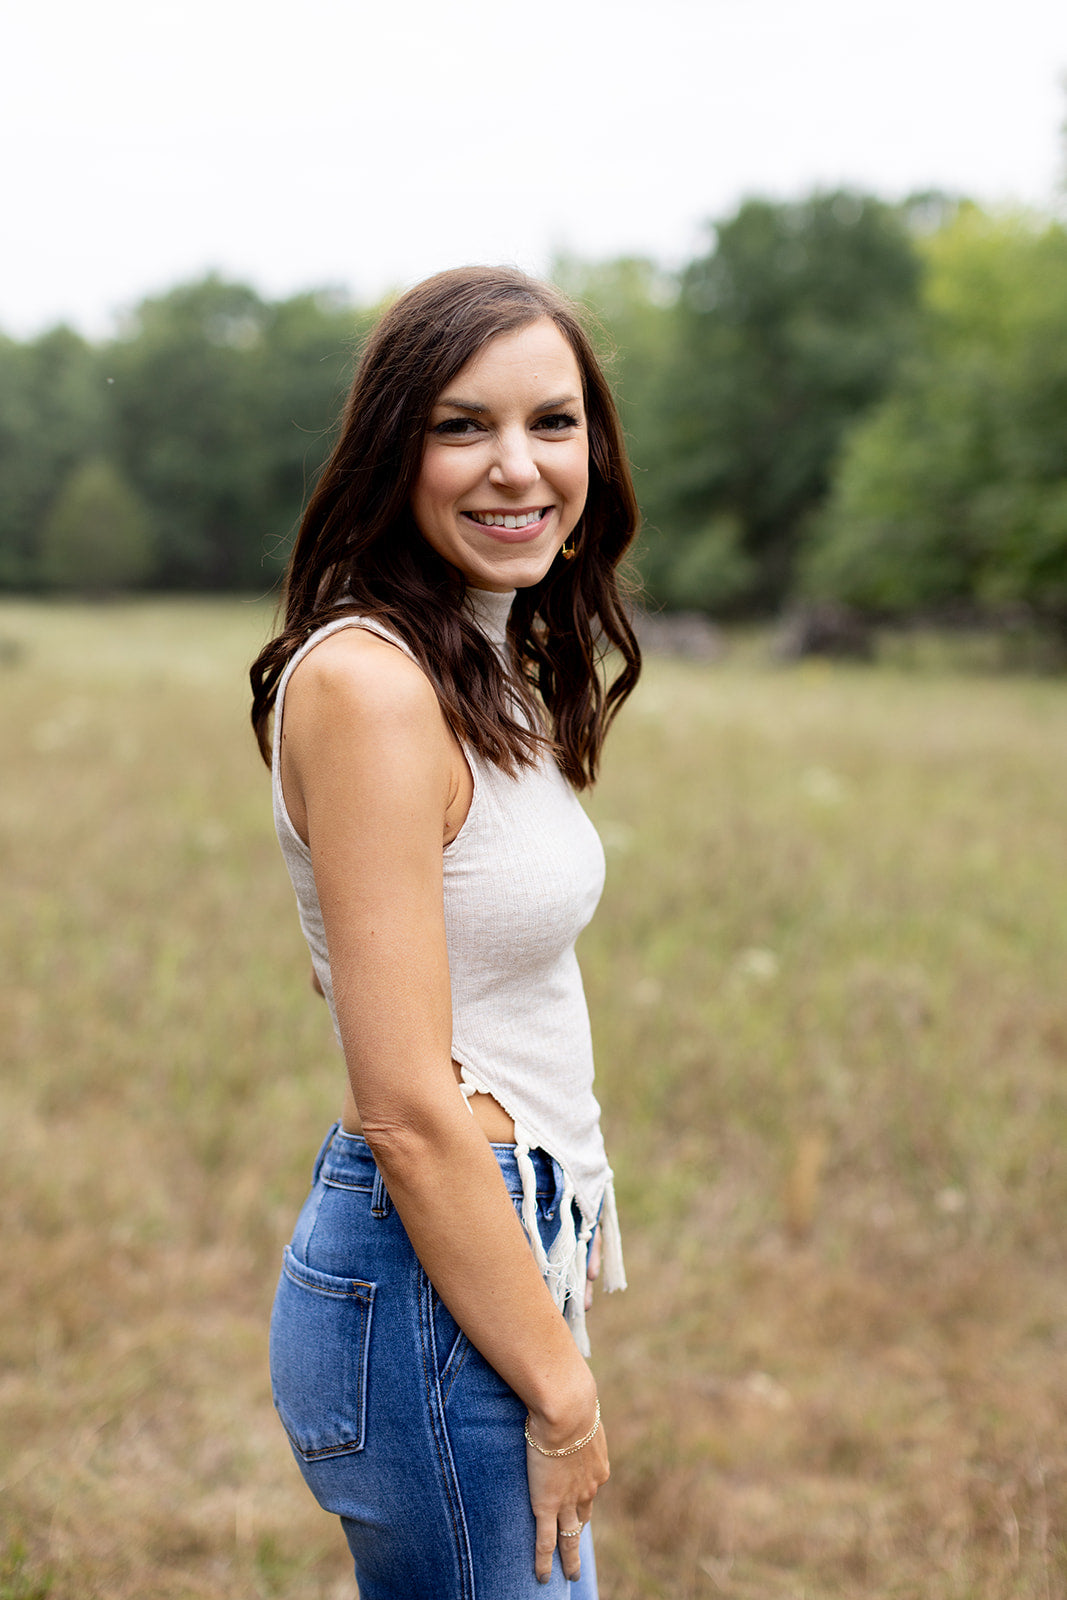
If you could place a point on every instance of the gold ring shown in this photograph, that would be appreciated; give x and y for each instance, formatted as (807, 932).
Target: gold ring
(570, 1533)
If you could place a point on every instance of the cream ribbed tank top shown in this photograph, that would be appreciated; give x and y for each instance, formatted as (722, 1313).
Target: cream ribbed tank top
(521, 880)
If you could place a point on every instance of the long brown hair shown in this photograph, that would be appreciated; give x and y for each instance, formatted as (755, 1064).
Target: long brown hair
(360, 552)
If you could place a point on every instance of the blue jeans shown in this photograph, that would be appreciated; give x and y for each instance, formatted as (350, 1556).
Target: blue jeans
(397, 1423)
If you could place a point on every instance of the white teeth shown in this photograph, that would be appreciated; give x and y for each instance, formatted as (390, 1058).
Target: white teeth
(499, 519)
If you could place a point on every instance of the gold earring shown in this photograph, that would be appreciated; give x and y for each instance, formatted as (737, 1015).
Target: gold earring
(568, 552)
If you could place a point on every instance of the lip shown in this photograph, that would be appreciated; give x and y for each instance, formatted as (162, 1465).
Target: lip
(531, 531)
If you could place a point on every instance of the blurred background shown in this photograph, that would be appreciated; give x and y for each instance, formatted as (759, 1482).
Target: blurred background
(825, 249)
(825, 246)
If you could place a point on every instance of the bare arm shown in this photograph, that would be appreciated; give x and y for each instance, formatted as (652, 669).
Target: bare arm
(374, 769)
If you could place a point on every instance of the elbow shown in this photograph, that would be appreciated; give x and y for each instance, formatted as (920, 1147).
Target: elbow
(394, 1141)
(405, 1144)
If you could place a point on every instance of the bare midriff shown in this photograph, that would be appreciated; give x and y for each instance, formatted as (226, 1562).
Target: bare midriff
(489, 1114)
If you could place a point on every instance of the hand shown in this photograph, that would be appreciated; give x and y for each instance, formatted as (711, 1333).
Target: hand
(562, 1490)
(592, 1270)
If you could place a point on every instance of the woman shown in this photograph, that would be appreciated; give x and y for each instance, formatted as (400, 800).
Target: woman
(437, 698)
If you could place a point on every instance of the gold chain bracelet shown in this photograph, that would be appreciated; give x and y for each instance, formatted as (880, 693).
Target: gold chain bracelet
(572, 1449)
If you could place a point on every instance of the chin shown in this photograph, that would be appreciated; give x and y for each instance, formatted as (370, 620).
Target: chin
(523, 577)
(517, 573)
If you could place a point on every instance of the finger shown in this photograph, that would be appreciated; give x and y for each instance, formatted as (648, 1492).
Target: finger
(569, 1545)
(546, 1543)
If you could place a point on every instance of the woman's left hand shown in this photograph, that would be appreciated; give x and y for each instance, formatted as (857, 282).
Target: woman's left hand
(562, 1491)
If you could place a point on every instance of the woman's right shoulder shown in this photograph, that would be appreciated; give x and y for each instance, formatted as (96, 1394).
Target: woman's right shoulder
(361, 733)
(365, 679)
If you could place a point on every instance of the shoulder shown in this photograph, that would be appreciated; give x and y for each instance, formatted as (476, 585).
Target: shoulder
(363, 735)
(357, 680)
(364, 748)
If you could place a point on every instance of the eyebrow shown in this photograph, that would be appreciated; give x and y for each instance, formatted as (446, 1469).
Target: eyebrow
(478, 410)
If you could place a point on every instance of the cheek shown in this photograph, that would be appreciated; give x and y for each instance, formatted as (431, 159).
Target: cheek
(434, 489)
(580, 479)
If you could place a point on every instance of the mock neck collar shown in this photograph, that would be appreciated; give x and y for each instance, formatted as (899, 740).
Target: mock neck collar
(490, 611)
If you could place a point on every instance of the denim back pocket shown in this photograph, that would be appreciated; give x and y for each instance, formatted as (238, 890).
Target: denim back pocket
(319, 1334)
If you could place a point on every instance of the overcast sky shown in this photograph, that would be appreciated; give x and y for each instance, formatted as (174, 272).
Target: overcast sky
(341, 142)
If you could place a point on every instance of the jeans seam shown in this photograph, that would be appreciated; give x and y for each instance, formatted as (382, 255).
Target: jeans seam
(453, 1367)
(380, 1203)
(439, 1430)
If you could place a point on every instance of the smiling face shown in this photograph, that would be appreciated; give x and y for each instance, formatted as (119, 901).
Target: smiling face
(505, 464)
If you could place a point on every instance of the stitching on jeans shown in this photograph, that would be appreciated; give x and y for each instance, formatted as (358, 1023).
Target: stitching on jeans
(459, 1349)
(439, 1430)
(355, 1288)
(454, 1365)
(380, 1203)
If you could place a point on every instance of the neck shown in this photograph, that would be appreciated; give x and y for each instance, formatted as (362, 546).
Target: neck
(490, 611)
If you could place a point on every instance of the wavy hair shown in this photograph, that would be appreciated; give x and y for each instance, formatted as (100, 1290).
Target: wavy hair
(359, 551)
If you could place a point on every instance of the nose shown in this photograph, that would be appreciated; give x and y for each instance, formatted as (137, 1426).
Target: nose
(514, 466)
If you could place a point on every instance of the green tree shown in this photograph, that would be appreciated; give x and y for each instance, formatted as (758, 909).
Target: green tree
(186, 402)
(223, 401)
(792, 324)
(305, 363)
(54, 413)
(97, 537)
(955, 489)
(633, 302)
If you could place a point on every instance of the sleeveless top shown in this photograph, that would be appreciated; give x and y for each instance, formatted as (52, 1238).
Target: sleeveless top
(521, 880)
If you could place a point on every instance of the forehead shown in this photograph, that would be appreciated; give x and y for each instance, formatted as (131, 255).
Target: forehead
(535, 357)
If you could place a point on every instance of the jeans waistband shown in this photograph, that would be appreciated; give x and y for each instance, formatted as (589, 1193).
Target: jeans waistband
(346, 1160)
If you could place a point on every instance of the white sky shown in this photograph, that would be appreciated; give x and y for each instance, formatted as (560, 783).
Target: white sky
(362, 144)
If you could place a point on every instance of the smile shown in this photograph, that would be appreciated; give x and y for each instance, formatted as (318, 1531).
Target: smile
(508, 519)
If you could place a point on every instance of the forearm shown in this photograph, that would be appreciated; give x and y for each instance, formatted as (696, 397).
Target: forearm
(478, 1258)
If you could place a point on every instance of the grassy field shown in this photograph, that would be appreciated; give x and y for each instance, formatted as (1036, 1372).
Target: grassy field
(827, 986)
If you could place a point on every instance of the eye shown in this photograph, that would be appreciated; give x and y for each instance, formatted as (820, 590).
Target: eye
(557, 422)
(456, 427)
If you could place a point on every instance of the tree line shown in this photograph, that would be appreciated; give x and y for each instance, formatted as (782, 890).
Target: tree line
(840, 399)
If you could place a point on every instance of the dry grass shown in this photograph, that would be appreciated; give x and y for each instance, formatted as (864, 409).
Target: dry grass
(827, 988)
